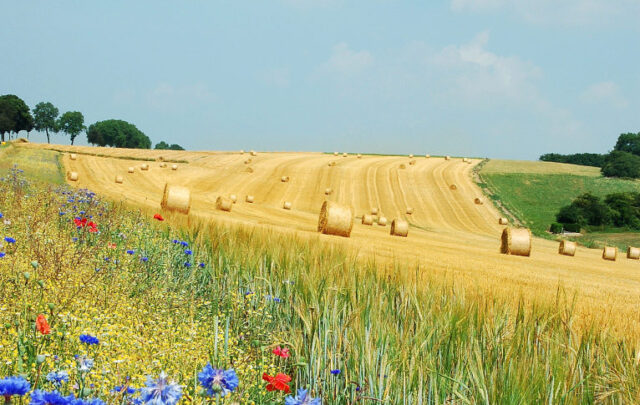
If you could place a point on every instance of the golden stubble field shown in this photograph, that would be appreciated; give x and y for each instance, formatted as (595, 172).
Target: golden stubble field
(451, 238)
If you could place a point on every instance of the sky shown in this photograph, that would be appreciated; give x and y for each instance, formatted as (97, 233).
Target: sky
(494, 78)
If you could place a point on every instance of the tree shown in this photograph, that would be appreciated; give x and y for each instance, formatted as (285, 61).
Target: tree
(44, 117)
(162, 145)
(629, 142)
(584, 159)
(621, 164)
(15, 115)
(71, 123)
(118, 133)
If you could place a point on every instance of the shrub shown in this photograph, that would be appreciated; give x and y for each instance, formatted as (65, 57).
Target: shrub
(555, 228)
(621, 164)
(572, 227)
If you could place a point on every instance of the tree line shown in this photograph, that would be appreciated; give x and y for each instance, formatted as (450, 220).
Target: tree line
(588, 210)
(623, 161)
(16, 116)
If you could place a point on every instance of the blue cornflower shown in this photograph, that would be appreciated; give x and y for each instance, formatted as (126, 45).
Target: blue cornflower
(218, 381)
(10, 386)
(74, 239)
(123, 390)
(175, 241)
(336, 371)
(276, 299)
(90, 401)
(201, 265)
(131, 251)
(184, 243)
(1, 215)
(160, 391)
(9, 239)
(188, 252)
(39, 397)
(144, 259)
(107, 259)
(57, 378)
(81, 212)
(2, 254)
(62, 213)
(85, 364)
(89, 340)
(187, 264)
(303, 398)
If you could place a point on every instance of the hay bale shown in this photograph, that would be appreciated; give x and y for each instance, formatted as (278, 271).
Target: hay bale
(567, 248)
(163, 165)
(22, 140)
(174, 167)
(478, 201)
(633, 253)
(409, 210)
(516, 241)
(249, 169)
(453, 187)
(246, 162)
(399, 227)
(284, 179)
(249, 199)
(233, 198)
(610, 253)
(344, 154)
(332, 163)
(403, 166)
(328, 191)
(374, 211)
(144, 166)
(359, 156)
(119, 179)
(465, 160)
(367, 219)
(73, 156)
(253, 153)
(335, 153)
(242, 151)
(503, 221)
(176, 198)
(411, 156)
(427, 156)
(447, 157)
(286, 205)
(73, 176)
(131, 169)
(224, 204)
(412, 162)
(160, 158)
(335, 219)
(382, 221)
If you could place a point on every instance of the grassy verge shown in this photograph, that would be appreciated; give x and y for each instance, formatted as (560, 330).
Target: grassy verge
(42, 165)
(356, 333)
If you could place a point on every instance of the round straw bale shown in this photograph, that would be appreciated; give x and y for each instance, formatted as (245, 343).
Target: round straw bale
(233, 198)
(367, 219)
(403, 166)
(447, 157)
(284, 179)
(163, 165)
(399, 227)
(516, 241)
(73, 156)
(427, 156)
(409, 210)
(465, 160)
(335, 153)
(22, 140)
(174, 167)
(249, 170)
(610, 253)
(374, 211)
(286, 205)
(328, 190)
(176, 198)
(119, 179)
(246, 162)
(359, 156)
(144, 166)
(478, 201)
(242, 151)
(332, 163)
(382, 221)
(411, 156)
(73, 176)
(453, 187)
(503, 221)
(249, 199)
(633, 253)
(567, 248)
(131, 169)
(412, 162)
(253, 153)
(344, 154)
(335, 219)
(224, 204)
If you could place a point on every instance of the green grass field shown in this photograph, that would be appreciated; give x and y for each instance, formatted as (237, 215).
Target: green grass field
(535, 191)
(41, 165)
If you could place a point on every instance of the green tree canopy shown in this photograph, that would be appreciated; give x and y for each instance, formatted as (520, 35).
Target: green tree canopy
(44, 118)
(586, 209)
(71, 123)
(118, 133)
(15, 115)
(621, 164)
(162, 145)
(629, 142)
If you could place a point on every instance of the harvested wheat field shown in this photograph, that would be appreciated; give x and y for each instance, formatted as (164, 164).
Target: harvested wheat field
(450, 236)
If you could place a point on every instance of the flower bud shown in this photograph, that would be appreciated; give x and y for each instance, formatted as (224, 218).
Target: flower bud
(40, 358)
(34, 264)
(26, 275)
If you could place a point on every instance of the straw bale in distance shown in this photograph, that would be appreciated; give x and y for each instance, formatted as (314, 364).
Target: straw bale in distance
(465, 160)
(246, 162)
(382, 221)
(374, 211)
(344, 154)
(73, 176)
(332, 163)
(516, 241)
(73, 156)
(328, 190)
(286, 205)
(242, 151)
(399, 227)
(335, 153)
(411, 156)
(233, 198)
(478, 201)
(249, 199)
(284, 179)
(224, 204)
(359, 156)
(633, 253)
(409, 210)
(412, 162)
(22, 140)
(503, 221)
(131, 169)
(447, 157)
(610, 253)
(367, 219)
(249, 169)
(119, 179)
(253, 153)
(163, 165)
(453, 187)
(335, 219)
(567, 248)
(176, 198)
(403, 166)
(160, 158)
(144, 166)
(174, 167)
(427, 156)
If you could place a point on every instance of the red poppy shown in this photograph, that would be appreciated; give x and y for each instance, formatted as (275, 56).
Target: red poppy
(80, 222)
(278, 382)
(111, 245)
(42, 325)
(158, 217)
(93, 227)
(282, 352)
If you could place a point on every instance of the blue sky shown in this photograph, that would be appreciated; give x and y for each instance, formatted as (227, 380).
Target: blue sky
(496, 78)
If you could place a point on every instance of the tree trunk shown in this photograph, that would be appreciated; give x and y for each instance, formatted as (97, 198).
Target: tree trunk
(47, 131)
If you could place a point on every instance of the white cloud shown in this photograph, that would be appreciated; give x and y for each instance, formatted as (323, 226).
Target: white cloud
(347, 61)
(604, 93)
